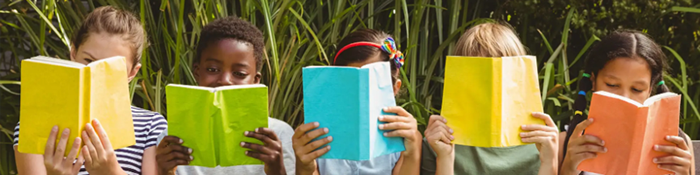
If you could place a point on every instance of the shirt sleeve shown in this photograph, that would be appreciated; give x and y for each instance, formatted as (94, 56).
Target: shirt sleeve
(15, 136)
(158, 125)
(428, 159)
(284, 133)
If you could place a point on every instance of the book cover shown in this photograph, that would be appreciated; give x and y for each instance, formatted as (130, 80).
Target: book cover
(630, 132)
(487, 99)
(212, 121)
(70, 95)
(348, 101)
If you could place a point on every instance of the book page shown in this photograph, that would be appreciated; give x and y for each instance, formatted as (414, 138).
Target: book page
(381, 95)
(241, 110)
(520, 97)
(662, 120)
(56, 61)
(658, 97)
(191, 114)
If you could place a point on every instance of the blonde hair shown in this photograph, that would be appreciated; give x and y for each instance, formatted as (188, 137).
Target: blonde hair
(489, 40)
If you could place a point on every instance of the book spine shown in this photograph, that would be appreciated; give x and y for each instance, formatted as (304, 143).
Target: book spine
(498, 137)
(85, 98)
(366, 143)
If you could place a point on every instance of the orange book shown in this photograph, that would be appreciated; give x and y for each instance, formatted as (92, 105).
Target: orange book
(630, 131)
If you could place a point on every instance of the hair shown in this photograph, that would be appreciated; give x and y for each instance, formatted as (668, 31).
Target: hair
(489, 40)
(232, 28)
(363, 53)
(625, 44)
(113, 21)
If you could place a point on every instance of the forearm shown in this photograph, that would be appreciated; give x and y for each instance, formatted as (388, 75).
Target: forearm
(567, 169)
(409, 163)
(548, 167)
(445, 165)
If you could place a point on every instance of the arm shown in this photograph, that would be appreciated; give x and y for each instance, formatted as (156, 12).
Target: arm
(29, 163)
(692, 154)
(408, 163)
(306, 149)
(404, 125)
(439, 138)
(446, 164)
(270, 152)
(148, 164)
(54, 161)
(581, 147)
(546, 139)
(679, 159)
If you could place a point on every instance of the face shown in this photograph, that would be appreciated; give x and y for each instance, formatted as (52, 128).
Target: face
(227, 62)
(102, 45)
(628, 77)
(374, 59)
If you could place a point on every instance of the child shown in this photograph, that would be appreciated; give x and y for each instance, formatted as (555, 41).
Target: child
(490, 40)
(370, 46)
(106, 32)
(629, 64)
(230, 52)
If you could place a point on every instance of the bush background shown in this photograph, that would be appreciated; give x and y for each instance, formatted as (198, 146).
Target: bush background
(300, 33)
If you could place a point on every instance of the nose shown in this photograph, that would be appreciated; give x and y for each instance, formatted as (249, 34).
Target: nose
(225, 79)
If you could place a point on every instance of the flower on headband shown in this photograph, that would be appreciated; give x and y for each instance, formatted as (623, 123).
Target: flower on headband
(389, 46)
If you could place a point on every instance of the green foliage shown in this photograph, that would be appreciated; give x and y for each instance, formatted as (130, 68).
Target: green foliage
(301, 33)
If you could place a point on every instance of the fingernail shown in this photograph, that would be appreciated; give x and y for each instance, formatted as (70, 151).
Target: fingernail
(189, 150)
(655, 160)
(97, 121)
(381, 126)
(257, 129)
(246, 152)
(242, 144)
(656, 147)
(191, 158)
(329, 147)
(245, 133)
(66, 130)
(330, 138)
(522, 134)
(180, 141)
(55, 128)
(385, 134)
(325, 130)
(380, 118)
(452, 131)
(668, 137)
(385, 109)
(591, 119)
(522, 126)
(316, 124)
(452, 137)
(602, 142)
(605, 150)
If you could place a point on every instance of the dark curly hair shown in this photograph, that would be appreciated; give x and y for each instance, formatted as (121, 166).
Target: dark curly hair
(232, 28)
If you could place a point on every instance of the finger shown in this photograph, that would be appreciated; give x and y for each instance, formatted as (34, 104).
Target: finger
(78, 163)
(95, 139)
(61, 148)
(584, 155)
(73, 152)
(398, 111)
(86, 155)
(440, 136)
(537, 133)
(268, 132)
(588, 139)
(438, 125)
(257, 147)
(589, 148)
(436, 118)
(173, 163)
(264, 138)
(674, 168)
(175, 155)
(407, 134)
(302, 129)
(673, 150)
(675, 160)
(679, 141)
(547, 119)
(263, 157)
(51, 142)
(539, 127)
(537, 139)
(91, 152)
(393, 118)
(177, 148)
(582, 126)
(315, 145)
(306, 138)
(315, 154)
(102, 134)
(168, 140)
(397, 125)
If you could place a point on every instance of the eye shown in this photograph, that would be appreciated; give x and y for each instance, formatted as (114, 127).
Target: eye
(87, 60)
(240, 74)
(637, 90)
(212, 70)
(612, 85)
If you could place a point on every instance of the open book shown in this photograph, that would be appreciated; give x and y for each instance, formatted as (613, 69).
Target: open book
(630, 131)
(348, 101)
(70, 95)
(486, 100)
(212, 121)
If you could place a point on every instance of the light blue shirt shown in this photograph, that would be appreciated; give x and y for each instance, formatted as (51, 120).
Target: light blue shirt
(380, 165)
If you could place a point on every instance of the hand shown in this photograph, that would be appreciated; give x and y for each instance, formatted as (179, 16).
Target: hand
(679, 160)
(439, 136)
(170, 153)
(54, 161)
(403, 125)
(581, 147)
(305, 150)
(99, 155)
(270, 153)
(545, 137)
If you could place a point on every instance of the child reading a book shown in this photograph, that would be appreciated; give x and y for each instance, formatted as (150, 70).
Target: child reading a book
(358, 49)
(442, 157)
(230, 52)
(106, 32)
(629, 64)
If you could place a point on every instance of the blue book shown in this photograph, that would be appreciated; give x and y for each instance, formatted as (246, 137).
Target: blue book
(348, 101)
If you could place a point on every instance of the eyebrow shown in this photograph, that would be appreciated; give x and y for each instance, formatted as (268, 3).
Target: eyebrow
(635, 82)
(93, 57)
(212, 59)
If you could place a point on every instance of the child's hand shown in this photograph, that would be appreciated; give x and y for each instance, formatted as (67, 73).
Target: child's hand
(439, 136)
(403, 125)
(581, 147)
(544, 136)
(270, 153)
(170, 153)
(680, 159)
(99, 155)
(54, 161)
(306, 152)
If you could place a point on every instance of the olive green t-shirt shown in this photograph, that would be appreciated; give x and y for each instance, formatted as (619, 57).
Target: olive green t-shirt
(479, 160)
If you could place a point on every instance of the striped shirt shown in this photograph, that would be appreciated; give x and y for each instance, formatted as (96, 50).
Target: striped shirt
(147, 126)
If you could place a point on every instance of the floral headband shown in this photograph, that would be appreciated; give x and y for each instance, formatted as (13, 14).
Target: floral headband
(388, 46)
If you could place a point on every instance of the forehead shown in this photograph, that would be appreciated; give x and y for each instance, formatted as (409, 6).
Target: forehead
(632, 69)
(372, 59)
(229, 50)
(101, 45)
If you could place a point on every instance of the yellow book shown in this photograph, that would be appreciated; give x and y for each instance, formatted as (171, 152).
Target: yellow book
(486, 100)
(70, 95)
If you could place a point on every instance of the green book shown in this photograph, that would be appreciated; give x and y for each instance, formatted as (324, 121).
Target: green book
(212, 121)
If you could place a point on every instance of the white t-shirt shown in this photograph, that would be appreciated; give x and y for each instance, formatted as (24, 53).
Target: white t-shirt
(284, 133)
